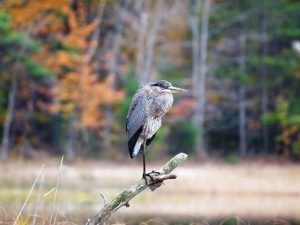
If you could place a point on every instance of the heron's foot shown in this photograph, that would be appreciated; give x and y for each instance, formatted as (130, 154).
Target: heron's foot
(150, 175)
(145, 175)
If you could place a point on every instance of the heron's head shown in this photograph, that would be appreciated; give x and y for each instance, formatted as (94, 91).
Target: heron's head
(166, 86)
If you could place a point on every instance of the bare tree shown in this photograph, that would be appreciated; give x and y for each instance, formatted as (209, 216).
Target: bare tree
(151, 40)
(147, 39)
(9, 114)
(199, 75)
(242, 100)
(69, 150)
(113, 71)
(194, 25)
(263, 82)
(142, 31)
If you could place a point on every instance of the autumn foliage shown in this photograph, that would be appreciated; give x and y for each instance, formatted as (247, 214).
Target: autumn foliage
(67, 35)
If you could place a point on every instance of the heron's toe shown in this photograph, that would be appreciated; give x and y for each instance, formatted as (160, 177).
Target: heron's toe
(155, 172)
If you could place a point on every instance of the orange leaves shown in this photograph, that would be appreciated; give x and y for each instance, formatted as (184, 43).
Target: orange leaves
(48, 15)
(93, 95)
(84, 93)
(90, 99)
(79, 32)
(110, 96)
(24, 14)
(68, 87)
(183, 108)
(59, 60)
(68, 39)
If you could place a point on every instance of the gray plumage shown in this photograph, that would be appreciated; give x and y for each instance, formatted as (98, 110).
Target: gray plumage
(149, 104)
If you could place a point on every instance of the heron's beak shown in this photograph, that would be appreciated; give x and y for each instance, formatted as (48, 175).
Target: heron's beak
(176, 89)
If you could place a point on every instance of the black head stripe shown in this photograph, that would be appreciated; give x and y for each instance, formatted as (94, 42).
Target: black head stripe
(163, 84)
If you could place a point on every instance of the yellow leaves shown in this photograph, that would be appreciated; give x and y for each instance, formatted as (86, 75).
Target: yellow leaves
(286, 136)
(214, 98)
(68, 108)
(289, 123)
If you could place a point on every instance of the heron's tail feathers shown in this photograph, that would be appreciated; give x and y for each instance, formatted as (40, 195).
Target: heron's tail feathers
(137, 147)
(135, 143)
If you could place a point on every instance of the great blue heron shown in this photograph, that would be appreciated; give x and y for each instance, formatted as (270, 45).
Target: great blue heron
(149, 104)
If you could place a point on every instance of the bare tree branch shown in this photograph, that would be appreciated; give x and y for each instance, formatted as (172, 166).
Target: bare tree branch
(123, 198)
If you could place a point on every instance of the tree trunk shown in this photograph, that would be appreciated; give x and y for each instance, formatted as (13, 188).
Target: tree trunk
(113, 71)
(32, 30)
(150, 42)
(144, 19)
(242, 120)
(69, 150)
(263, 85)
(200, 94)
(242, 101)
(194, 25)
(9, 115)
(91, 51)
(264, 110)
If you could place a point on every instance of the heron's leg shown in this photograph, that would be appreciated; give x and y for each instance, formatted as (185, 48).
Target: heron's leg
(144, 165)
(144, 162)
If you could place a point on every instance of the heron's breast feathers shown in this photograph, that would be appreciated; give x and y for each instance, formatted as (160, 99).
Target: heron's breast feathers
(150, 128)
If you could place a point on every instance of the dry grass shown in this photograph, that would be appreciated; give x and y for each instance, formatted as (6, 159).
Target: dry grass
(201, 192)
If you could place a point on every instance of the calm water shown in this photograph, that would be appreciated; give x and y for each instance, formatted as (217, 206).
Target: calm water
(206, 194)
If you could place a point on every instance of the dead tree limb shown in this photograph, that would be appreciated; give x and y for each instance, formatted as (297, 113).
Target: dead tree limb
(123, 198)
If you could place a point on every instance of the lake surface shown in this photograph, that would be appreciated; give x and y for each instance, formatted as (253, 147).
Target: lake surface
(202, 194)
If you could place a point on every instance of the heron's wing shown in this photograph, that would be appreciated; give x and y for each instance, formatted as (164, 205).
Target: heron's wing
(136, 118)
(137, 113)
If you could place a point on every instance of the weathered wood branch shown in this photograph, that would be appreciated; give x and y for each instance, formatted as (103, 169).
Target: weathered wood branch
(123, 198)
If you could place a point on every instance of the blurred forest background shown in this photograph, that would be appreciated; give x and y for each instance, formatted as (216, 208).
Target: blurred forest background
(68, 71)
(69, 68)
